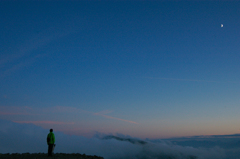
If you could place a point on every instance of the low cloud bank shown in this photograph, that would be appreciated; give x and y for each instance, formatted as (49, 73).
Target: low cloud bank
(21, 138)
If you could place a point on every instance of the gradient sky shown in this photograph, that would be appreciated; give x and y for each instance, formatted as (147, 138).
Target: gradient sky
(149, 69)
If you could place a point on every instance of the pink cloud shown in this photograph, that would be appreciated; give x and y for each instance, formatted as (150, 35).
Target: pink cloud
(44, 122)
(57, 109)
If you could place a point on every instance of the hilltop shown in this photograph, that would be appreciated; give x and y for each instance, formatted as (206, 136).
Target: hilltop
(44, 156)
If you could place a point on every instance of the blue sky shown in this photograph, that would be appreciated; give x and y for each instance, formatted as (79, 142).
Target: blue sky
(149, 69)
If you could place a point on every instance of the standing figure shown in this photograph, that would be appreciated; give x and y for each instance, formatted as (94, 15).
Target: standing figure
(50, 142)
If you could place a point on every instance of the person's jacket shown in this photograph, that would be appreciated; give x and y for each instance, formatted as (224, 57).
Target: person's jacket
(51, 138)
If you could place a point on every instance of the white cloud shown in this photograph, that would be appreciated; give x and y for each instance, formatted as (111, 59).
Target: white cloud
(20, 138)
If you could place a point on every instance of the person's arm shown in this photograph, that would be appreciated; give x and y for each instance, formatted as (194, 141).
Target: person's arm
(53, 138)
(47, 138)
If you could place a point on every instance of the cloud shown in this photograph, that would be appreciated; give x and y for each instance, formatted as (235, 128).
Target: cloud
(19, 65)
(23, 53)
(190, 80)
(110, 117)
(224, 141)
(131, 140)
(12, 110)
(71, 117)
(105, 112)
(101, 114)
(44, 122)
(20, 138)
(10, 113)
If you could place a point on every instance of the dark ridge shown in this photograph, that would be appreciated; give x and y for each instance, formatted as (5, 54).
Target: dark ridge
(45, 156)
(133, 141)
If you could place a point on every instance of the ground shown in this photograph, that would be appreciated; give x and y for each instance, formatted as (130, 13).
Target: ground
(44, 156)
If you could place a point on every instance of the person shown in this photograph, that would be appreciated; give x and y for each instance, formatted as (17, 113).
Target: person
(50, 142)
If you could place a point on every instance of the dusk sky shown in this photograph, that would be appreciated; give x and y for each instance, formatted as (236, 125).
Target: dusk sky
(148, 69)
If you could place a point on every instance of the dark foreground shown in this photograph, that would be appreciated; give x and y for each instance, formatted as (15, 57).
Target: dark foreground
(44, 156)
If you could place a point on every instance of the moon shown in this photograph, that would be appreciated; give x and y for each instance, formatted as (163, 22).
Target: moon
(221, 25)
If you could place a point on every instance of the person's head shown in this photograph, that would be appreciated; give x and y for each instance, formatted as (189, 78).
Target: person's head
(51, 130)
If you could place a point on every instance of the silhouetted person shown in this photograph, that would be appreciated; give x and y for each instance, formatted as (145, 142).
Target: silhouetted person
(50, 142)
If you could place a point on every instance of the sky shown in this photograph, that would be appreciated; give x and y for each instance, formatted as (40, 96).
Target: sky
(148, 69)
